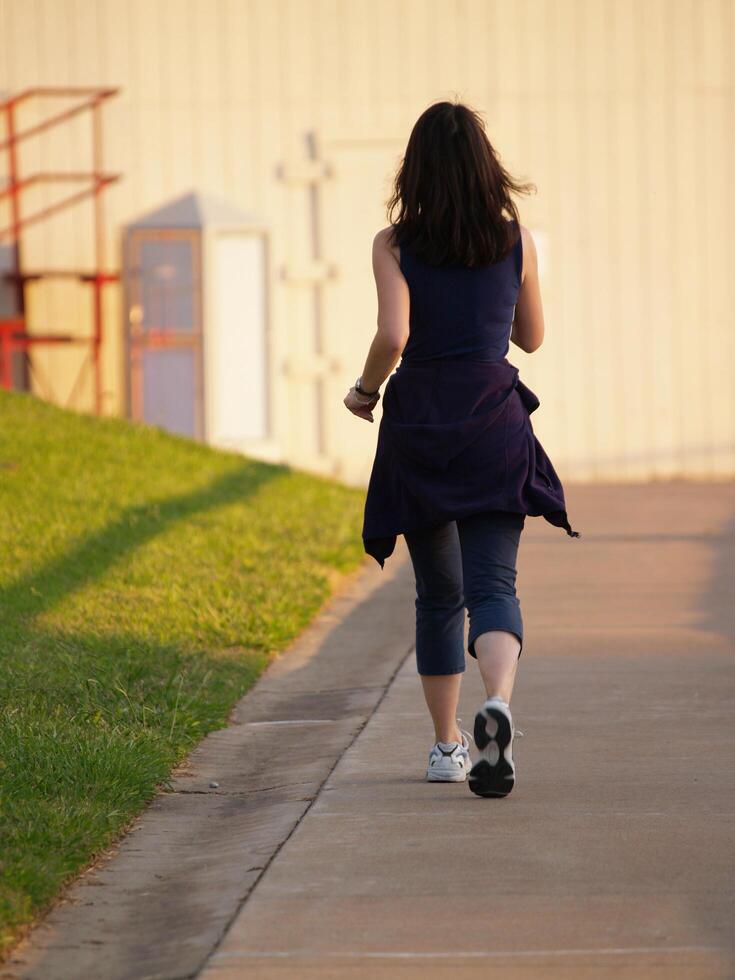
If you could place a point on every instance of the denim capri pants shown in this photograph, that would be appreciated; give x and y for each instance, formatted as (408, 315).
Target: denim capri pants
(468, 563)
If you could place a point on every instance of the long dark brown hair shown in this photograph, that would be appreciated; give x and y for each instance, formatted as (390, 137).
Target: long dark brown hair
(452, 193)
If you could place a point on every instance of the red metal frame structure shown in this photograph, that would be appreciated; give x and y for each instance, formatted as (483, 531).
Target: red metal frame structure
(14, 335)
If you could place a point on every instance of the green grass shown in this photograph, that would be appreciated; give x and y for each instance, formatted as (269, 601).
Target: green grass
(145, 582)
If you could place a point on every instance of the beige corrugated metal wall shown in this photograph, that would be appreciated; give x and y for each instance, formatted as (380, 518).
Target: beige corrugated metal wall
(621, 112)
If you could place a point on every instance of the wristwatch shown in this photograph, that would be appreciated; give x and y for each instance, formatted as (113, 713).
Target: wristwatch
(361, 391)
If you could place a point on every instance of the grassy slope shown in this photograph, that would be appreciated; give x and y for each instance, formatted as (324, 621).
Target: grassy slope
(145, 581)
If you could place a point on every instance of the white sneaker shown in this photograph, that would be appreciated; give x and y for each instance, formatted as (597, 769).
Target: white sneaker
(494, 772)
(449, 762)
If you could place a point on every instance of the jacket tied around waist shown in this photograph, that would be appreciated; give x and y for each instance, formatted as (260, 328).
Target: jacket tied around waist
(455, 438)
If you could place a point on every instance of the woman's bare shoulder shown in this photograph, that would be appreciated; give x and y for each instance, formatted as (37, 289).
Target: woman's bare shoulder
(527, 237)
(384, 240)
(528, 248)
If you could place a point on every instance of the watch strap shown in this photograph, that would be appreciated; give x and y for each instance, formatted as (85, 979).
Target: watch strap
(361, 391)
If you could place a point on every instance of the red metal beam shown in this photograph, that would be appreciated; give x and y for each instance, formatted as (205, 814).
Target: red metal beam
(11, 230)
(8, 337)
(62, 91)
(29, 339)
(32, 276)
(94, 97)
(49, 177)
(99, 248)
(15, 221)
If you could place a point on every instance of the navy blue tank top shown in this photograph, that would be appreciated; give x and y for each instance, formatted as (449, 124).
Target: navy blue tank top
(460, 312)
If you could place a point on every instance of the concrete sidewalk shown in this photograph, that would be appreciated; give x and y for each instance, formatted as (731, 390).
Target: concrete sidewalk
(613, 856)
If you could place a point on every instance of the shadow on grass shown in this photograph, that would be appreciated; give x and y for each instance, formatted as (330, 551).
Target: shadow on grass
(90, 557)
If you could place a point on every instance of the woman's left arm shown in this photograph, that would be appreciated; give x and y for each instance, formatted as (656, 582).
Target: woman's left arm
(393, 325)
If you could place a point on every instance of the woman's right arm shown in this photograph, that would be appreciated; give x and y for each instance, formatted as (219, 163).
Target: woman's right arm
(528, 323)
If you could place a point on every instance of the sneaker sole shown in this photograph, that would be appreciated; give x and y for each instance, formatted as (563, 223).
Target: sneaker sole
(486, 779)
(434, 777)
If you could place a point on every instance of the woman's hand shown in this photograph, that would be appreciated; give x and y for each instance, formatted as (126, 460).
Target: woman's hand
(361, 406)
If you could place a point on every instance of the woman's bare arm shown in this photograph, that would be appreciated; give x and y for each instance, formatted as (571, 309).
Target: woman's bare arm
(528, 322)
(393, 312)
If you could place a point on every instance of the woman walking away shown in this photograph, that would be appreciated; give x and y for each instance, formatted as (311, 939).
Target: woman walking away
(457, 466)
